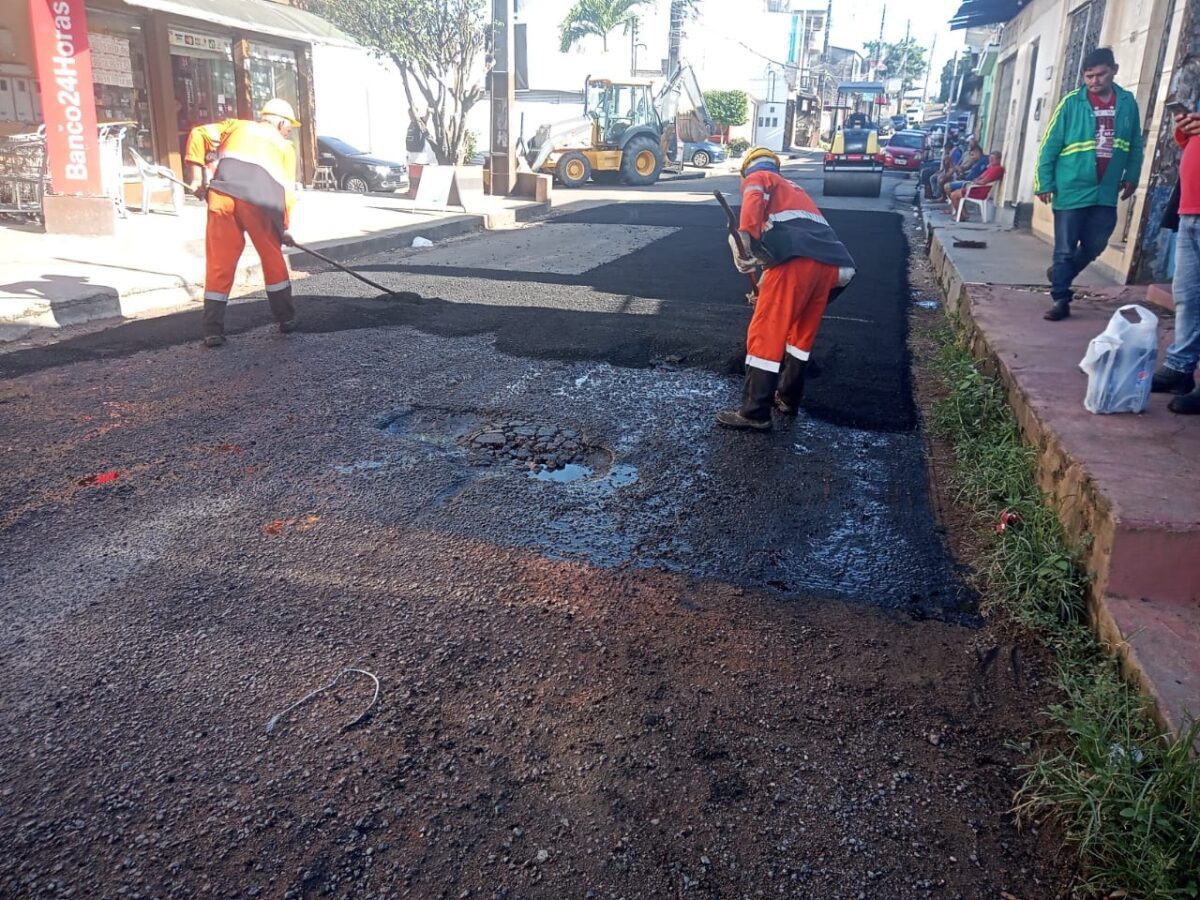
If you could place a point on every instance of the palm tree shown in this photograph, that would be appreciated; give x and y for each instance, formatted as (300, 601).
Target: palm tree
(598, 17)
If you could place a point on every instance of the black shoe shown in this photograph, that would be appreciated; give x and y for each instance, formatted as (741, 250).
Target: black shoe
(287, 327)
(1059, 311)
(1050, 274)
(731, 418)
(214, 340)
(1169, 381)
(791, 385)
(1186, 405)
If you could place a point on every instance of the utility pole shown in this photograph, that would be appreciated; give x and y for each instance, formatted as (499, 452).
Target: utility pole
(675, 37)
(633, 48)
(879, 45)
(928, 70)
(502, 89)
(903, 67)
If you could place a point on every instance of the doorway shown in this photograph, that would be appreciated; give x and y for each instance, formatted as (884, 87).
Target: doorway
(1023, 122)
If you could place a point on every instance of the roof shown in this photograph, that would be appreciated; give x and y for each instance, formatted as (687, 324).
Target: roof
(986, 12)
(260, 16)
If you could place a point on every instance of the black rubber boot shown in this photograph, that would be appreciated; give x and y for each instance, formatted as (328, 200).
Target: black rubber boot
(1169, 381)
(282, 308)
(1059, 311)
(1187, 404)
(791, 385)
(758, 391)
(213, 323)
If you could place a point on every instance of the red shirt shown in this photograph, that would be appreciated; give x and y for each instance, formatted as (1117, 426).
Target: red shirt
(990, 175)
(1189, 175)
(1106, 128)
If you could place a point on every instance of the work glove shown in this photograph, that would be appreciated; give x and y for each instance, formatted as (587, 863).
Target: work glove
(745, 265)
(200, 192)
(288, 240)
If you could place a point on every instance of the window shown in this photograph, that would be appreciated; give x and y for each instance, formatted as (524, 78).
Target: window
(1083, 36)
(520, 60)
(761, 122)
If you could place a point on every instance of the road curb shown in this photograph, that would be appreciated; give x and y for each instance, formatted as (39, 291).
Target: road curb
(1156, 636)
(112, 304)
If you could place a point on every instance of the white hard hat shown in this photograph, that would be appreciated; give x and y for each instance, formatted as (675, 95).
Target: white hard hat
(280, 108)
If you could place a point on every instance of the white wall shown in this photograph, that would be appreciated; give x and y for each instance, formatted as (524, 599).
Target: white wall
(360, 99)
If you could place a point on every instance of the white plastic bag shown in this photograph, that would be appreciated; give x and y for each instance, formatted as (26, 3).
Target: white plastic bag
(1120, 362)
(422, 242)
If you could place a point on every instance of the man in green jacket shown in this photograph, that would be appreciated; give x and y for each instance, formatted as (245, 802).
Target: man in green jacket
(1091, 152)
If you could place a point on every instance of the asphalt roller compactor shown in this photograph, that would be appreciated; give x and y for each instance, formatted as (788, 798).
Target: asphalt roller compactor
(854, 163)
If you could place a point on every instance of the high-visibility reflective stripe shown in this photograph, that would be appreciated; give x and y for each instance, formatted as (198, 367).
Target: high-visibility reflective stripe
(787, 214)
(254, 161)
(279, 285)
(216, 295)
(754, 187)
(759, 363)
(1083, 147)
(797, 352)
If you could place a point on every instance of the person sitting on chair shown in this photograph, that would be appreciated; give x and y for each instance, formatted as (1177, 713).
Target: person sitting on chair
(978, 189)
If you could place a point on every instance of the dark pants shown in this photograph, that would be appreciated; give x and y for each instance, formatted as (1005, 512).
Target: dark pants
(1080, 235)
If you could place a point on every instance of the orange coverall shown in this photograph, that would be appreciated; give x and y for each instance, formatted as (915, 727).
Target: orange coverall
(251, 194)
(792, 295)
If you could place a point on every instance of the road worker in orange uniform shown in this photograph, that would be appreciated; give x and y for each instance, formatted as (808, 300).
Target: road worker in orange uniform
(804, 266)
(251, 193)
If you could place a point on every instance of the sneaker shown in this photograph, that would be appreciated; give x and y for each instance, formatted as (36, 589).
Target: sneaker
(1187, 404)
(731, 418)
(287, 327)
(214, 340)
(1059, 311)
(1171, 381)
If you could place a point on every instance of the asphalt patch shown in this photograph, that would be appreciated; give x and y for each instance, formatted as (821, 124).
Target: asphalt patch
(858, 375)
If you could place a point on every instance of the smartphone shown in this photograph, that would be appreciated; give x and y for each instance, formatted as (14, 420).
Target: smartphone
(1177, 107)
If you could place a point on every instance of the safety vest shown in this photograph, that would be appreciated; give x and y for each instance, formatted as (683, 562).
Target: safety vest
(784, 223)
(255, 163)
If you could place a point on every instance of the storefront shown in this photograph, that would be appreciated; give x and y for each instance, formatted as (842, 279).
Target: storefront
(160, 67)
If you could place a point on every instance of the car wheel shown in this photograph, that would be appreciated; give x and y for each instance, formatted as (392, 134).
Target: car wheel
(700, 159)
(356, 184)
(573, 170)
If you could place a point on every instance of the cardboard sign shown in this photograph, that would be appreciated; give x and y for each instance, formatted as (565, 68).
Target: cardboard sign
(64, 67)
(435, 186)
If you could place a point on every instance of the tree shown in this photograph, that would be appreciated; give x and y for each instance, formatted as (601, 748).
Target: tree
(947, 81)
(598, 17)
(438, 46)
(892, 58)
(728, 109)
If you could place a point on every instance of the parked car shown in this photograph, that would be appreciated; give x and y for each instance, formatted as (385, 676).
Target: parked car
(360, 172)
(915, 114)
(905, 151)
(899, 123)
(702, 154)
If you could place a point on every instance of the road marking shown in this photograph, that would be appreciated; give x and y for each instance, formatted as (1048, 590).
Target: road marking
(849, 319)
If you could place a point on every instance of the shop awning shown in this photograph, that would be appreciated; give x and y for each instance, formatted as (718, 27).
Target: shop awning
(861, 87)
(973, 13)
(260, 16)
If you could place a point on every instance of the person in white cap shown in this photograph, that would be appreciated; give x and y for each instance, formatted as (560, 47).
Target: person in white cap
(251, 193)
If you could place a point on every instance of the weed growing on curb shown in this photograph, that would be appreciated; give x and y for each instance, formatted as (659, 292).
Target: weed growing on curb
(1127, 794)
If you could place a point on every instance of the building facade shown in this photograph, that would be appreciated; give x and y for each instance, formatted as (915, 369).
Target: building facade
(160, 67)
(1038, 58)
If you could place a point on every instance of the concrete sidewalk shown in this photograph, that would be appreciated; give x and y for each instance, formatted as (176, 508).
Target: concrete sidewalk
(155, 262)
(1126, 482)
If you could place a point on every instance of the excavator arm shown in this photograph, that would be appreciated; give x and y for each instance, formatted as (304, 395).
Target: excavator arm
(694, 125)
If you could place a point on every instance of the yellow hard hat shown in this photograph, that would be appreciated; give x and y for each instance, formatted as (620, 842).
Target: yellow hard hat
(755, 155)
(280, 108)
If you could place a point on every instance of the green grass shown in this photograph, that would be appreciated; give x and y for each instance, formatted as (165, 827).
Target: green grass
(1126, 794)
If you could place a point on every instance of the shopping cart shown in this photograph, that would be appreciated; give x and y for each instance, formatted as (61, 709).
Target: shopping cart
(23, 175)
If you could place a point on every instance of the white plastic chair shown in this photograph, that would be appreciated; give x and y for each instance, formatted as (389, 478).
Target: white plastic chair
(154, 179)
(987, 208)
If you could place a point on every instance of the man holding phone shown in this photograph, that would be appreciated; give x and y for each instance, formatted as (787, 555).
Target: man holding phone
(1090, 154)
(1177, 376)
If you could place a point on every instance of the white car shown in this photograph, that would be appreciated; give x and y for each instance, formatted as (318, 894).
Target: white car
(915, 114)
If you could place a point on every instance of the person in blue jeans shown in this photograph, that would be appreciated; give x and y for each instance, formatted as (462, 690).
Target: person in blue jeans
(1090, 154)
(1178, 376)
